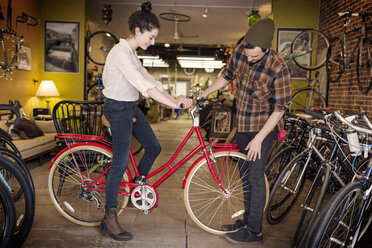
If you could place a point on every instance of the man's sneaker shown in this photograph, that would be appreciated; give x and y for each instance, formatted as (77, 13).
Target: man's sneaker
(239, 224)
(243, 236)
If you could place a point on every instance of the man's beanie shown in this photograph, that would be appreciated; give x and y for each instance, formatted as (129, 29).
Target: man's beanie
(261, 33)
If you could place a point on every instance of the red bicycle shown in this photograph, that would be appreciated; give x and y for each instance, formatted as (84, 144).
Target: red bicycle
(213, 190)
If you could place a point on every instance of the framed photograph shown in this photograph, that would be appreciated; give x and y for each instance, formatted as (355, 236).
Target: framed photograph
(24, 59)
(61, 51)
(284, 40)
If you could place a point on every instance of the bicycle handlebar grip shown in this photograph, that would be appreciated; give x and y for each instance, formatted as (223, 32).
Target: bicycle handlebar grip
(313, 114)
(14, 111)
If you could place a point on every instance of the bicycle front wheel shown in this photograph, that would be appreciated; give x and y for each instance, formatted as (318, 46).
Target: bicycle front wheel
(306, 99)
(335, 66)
(335, 224)
(286, 190)
(208, 206)
(99, 45)
(309, 49)
(364, 65)
(68, 182)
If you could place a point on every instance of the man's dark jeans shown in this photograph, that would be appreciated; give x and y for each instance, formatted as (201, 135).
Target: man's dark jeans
(120, 116)
(254, 182)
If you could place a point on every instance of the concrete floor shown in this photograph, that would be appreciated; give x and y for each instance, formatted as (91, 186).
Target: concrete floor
(167, 226)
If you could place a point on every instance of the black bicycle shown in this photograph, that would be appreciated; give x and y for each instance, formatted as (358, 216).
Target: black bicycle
(338, 60)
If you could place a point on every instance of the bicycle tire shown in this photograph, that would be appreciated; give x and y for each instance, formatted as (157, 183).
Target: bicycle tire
(278, 163)
(316, 41)
(81, 206)
(20, 163)
(335, 66)
(217, 209)
(335, 211)
(98, 45)
(8, 144)
(274, 211)
(24, 204)
(7, 217)
(95, 91)
(364, 65)
(306, 99)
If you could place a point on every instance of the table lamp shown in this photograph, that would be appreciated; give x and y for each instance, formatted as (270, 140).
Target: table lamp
(47, 88)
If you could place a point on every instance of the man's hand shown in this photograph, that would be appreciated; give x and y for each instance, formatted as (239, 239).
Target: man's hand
(254, 149)
(105, 122)
(187, 102)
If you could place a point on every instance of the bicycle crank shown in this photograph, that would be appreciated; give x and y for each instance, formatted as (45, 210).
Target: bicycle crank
(144, 197)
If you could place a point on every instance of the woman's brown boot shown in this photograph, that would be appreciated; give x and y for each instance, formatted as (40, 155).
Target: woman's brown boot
(110, 226)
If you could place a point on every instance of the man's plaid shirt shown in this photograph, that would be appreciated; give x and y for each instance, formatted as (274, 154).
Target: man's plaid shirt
(262, 88)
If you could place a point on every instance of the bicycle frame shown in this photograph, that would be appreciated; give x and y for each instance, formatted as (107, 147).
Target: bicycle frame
(8, 65)
(100, 142)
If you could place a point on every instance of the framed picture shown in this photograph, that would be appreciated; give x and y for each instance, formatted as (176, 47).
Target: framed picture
(284, 40)
(61, 51)
(24, 59)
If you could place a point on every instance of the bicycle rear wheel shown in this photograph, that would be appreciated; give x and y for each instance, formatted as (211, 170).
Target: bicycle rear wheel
(364, 65)
(309, 48)
(69, 176)
(335, 224)
(335, 66)
(306, 99)
(99, 45)
(208, 206)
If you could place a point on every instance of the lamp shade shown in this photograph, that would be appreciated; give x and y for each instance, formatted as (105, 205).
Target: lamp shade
(47, 88)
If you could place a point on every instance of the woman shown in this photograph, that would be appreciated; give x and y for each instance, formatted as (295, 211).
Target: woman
(123, 78)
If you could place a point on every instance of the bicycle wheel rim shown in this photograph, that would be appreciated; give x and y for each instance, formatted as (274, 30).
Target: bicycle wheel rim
(364, 66)
(206, 203)
(98, 46)
(309, 49)
(66, 187)
(306, 99)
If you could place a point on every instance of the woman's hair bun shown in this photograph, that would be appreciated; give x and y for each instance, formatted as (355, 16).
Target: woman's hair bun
(146, 7)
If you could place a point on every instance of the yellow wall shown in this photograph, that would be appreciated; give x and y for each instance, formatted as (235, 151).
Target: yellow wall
(21, 87)
(295, 14)
(69, 85)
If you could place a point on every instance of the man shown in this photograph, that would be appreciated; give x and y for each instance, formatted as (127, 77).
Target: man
(263, 94)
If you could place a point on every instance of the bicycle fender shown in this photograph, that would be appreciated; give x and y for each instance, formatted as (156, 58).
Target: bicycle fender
(79, 144)
(202, 157)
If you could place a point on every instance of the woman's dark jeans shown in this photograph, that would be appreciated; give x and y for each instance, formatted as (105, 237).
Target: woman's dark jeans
(254, 183)
(120, 116)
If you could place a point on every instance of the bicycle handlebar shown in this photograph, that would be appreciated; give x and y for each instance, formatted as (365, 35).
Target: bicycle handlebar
(346, 122)
(14, 108)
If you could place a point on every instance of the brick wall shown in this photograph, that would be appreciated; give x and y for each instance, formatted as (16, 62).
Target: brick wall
(345, 94)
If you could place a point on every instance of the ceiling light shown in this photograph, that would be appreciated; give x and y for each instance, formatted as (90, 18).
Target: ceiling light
(205, 13)
(167, 45)
(152, 61)
(199, 62)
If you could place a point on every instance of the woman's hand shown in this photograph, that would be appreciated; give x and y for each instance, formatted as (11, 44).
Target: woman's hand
(186, 102)
(105, 122)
